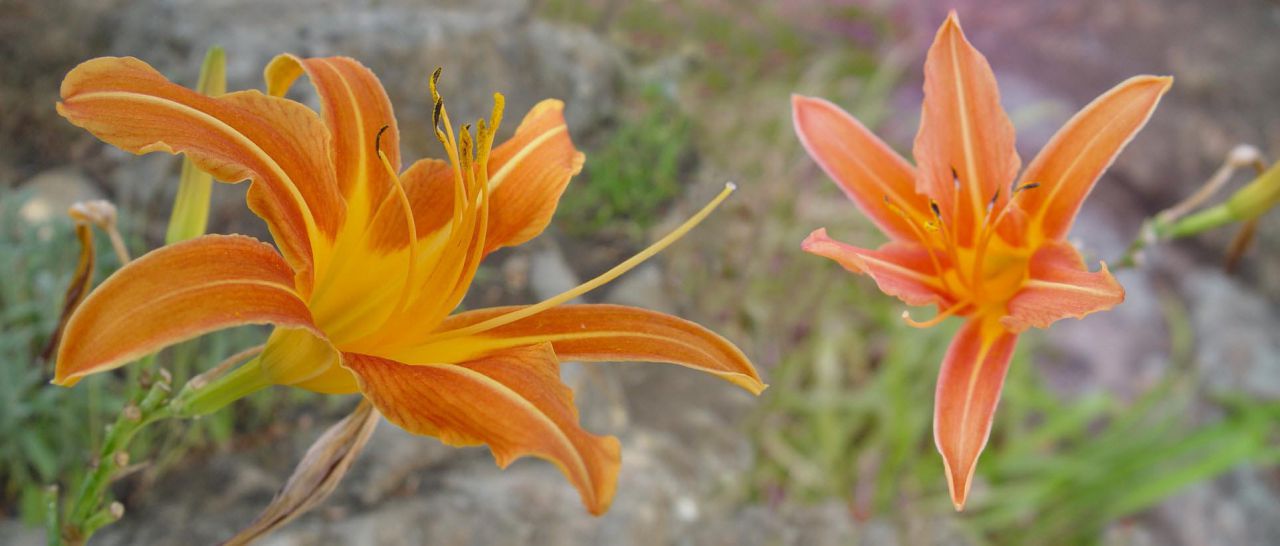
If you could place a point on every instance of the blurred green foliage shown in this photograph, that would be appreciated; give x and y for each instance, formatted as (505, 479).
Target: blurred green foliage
(630, 179)
(850, 416)
(849, 411)
(50, 432)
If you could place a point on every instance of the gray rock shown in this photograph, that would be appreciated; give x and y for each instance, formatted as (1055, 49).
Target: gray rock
(1237, 350)
(643, 287)
(549, 272)
(52, 192)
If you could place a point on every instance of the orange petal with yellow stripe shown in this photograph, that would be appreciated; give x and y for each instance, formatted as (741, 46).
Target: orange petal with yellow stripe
(969, 387)
(513, 401)
(903, 270)
(279, 144)
(527, 175)
(1060, 285)
(964, 133)
(355, 108)
(604, 333)
(1069, 166)
(176, 293)
(429, 186)
(865, 168)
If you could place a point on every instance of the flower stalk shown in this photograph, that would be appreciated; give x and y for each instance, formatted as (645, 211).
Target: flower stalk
(86, 513)
(1245, 207)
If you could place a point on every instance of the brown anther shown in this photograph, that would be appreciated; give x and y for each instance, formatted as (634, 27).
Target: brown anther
(120, 459)
(937, 211)
(377, 140)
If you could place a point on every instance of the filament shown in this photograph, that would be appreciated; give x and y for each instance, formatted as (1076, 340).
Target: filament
(615, 272)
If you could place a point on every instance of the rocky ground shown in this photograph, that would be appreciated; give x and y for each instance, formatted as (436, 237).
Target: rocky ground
(685, 453)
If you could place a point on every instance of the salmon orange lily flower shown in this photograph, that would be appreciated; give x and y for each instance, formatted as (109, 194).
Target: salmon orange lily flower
(372, 261)
(966, 233)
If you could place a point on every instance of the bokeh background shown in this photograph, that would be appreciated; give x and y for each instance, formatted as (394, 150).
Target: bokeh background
(1153, 424)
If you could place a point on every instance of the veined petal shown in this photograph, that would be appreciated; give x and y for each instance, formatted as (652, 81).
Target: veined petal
(600, 333)
(1060, 285)
(1069, 166)
(903, 270)
(175, 293)
(513, 401)
(279, 144)
(968, 389)
(964, 133)
(355, 108)
(527, 175)
(429, 185)
(865, 168)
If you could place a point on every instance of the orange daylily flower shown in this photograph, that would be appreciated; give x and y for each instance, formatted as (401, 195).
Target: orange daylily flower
(372, 261)
(961, 237)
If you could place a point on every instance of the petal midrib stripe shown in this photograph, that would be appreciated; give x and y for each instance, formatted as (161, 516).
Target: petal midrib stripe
(218, 125)
(580, 464)
(1051, 285)
(124, 317)
(496, 180)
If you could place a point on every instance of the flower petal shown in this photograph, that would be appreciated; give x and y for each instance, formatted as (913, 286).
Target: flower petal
(527, 175)
(512, 400)
(176, 293)
(964, 133)
(279, 144)
(302, 358)
(968, 389)
(862, 165)
(429, 185)
(600, 333)
(355, 108)
(1060, 286)
(1081, 151)
(903, 270)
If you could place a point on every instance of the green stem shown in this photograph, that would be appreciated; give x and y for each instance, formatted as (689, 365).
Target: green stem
(84, 517)
(195, 399)
(90, 510)
(53, 527)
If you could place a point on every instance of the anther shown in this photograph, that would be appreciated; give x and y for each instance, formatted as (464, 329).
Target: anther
(377, 140)
(937, 211)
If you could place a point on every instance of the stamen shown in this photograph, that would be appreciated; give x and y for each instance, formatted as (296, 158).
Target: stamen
(919, 233)
(989, 230)
(592, 284)
(410, 224)
(947, 237)
(937, 319)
